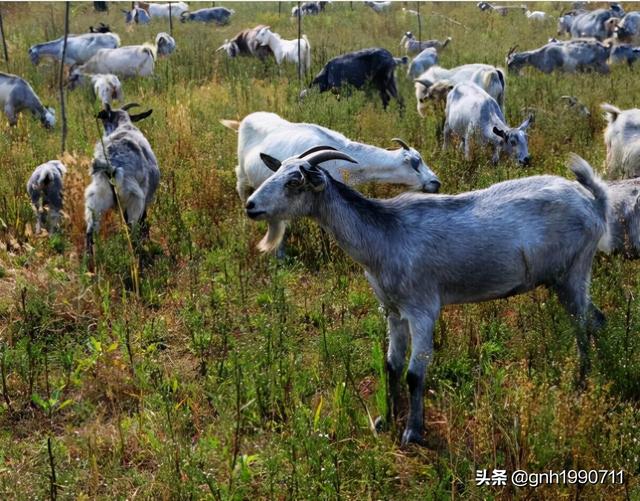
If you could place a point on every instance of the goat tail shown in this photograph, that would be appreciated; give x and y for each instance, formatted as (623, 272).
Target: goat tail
(446, 42)
(587, 178)
(272, 240)
(231, 124)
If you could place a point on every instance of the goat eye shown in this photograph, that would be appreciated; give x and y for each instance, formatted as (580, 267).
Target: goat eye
(293, 183)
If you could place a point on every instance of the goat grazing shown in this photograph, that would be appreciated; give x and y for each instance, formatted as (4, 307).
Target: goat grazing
(163, 10)
(245, 43)
(622, 139)
(105, 87)
(286, 50)
(628, 29)
(45, 189)
(367, 66)
(378, 6)
(623, 53)
(596, 23)
(487, 77)
(421, 253)
(569, 56)
(413, 46)
(124, 171)
(422, 62)
(137, 15)
(165, 44)
(16, 95)
(263, 132)
(470, 112)
(537, 15)
(218, 15)
(102, 28)
(127, 61)
(80, 48)
(309, 9)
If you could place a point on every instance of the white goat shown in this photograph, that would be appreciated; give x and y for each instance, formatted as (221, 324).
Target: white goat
(165, 44)
(162, 9)
(127, 61)
(622, 139)
(80, 48)
(123, 157)
(624, 225)
(268, 133)
(537, 15)
(16, 95)
(105, 87)
(286, 50)
(487, 77)
(472, 113)
(45, 189)
(379, 6)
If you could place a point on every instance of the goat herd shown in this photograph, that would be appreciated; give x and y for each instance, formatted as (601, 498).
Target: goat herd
(420, 252)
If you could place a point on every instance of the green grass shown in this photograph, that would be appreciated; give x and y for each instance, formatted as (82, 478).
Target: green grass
(233, 376)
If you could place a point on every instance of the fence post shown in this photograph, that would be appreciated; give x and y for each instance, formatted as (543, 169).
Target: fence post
(63, 113)
(4, 42)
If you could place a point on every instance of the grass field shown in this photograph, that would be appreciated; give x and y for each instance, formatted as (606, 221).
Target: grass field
(234, 376)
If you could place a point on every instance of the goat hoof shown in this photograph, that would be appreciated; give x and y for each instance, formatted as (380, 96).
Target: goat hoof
(380, 424)
(411, 437)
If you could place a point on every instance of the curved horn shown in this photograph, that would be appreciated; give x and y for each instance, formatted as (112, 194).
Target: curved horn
(316, 148)
(140, 116)
(404, 145)
(426, 83)
(512, 50)
(128, 106)
(326, 155)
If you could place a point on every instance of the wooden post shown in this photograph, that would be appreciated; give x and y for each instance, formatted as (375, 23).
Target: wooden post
(279, 8)
(4, 42)
(170, 21)
(63, 113)
(299, 37)
(419, 22)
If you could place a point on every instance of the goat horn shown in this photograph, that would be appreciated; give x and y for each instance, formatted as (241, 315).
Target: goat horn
(326, 155)
(426, 83)
(129, 106)
(140, 116)
(512, 50)
(404, 145)
(316, 148)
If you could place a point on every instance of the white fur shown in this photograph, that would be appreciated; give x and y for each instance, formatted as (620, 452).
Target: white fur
(286, 50)
(127, 61)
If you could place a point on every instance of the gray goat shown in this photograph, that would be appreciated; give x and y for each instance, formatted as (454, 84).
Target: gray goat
(124, 166)
(45, 188)
(422, 62)
(624, 225)
(413, 46)
(421, 253)
(16, 95)
(570, 56)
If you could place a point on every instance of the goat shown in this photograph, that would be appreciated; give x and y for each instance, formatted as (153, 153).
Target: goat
(105, 87)
(286, 50)
(245, 44)
(422, 62)
(413, 46)
(267, 132)
(124, 171)
(80, 48)
(628, 29)
(623, 53)
(309, 9)
(594, 24)
(367, 66)
(16, 95)
(624, 225)
(470, 112)
(102, 28)
(127, 61)
(163, 10)
(565, 21)
(569, 56)
(218, 15)
(572, 103)
(537, 15)
(487, 77)
(45, 189)
(165, 44)
(622, 139)
(378, 6)
(421, 253)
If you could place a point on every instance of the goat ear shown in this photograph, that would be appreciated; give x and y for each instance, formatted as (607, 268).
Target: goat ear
(529, 120)
(500, 133)
(313, 177)
(273, 163)
(140, 116)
